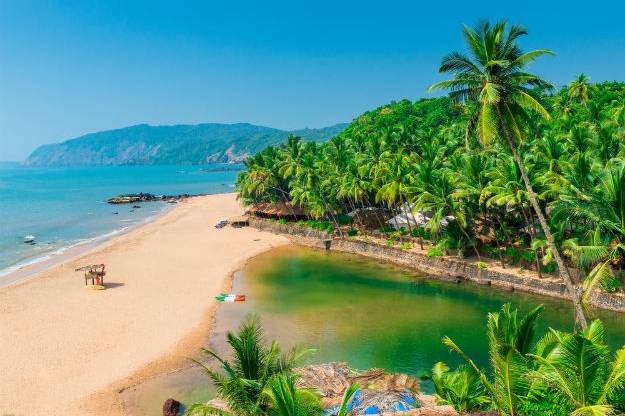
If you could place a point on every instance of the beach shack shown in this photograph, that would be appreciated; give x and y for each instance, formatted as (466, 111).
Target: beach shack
(239, 221)
(277, 210)
(94, 276)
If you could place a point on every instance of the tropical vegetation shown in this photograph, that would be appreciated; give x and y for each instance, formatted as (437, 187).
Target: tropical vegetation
(562, 373)
(259, 379)
(505, 167)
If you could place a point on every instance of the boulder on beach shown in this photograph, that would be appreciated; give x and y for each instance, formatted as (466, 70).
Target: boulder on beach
(171, 407)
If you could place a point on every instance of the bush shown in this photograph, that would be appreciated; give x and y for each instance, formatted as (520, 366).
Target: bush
(403, 231)
(481, 265)
(421, 232)
(321, 225)
(405, 245)
(390, 242)
(281, 221)
(434, 252)
(550, 267)
(386, 229)
(545, 405)
(344, 219)
(352, 232)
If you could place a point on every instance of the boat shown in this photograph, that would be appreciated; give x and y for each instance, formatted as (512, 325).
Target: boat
(229, 297)
(29, 239)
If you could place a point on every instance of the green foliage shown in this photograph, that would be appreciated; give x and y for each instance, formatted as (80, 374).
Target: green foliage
(434, 252)
(352, 232)
(344, 219)
(405, 245)
(481, 265)
(321, 225)
(562, 373)
(281, 221)
(460, 388)
(347, 396)
(386, 229)
(244, 381)
(611, 284)
(487, 161)
(285, 399)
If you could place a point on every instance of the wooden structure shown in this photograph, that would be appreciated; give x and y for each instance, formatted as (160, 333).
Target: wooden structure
(94, 273)
(277, 210)
(239, 221)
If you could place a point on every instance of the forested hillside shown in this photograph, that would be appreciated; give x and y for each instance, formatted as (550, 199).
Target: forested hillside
(180, 144)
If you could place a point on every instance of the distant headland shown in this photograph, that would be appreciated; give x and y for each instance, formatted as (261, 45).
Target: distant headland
(181, 144)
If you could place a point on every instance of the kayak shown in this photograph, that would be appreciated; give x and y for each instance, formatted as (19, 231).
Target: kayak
(229, 297)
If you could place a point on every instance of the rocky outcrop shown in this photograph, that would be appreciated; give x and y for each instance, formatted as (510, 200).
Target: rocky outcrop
(146, 197)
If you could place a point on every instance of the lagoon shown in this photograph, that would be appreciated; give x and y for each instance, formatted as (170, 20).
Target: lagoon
(365, 312)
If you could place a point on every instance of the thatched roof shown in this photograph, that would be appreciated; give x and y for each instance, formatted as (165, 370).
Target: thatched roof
(239, 219)
(277, 209)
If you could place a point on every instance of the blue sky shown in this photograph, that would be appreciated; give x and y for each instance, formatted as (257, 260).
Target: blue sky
(69, 68)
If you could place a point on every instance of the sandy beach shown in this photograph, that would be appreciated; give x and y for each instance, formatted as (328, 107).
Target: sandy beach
(66, 350)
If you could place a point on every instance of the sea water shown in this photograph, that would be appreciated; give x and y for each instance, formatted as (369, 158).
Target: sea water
(66, 206)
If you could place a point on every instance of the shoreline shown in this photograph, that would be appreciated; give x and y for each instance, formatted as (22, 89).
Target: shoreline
(448, 268)
(25, 270)
(158, 306)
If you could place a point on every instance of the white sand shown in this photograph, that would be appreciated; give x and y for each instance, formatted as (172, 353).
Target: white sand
(64, 348)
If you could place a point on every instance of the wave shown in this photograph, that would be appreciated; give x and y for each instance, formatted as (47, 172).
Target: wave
(68, 245)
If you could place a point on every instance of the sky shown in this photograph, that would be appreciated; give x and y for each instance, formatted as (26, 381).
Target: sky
(68, 68)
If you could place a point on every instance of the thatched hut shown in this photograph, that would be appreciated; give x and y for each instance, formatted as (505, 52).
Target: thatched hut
(239, 221)
(277, 210)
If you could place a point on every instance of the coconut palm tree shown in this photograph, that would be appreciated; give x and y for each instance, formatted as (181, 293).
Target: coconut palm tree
(578, 88)
(243, 381)
(460, 388)
(493, 77)
(285, 399)
(510, 339)
(580, 371)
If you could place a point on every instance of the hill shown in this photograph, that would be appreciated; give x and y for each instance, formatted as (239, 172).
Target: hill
(179, 144)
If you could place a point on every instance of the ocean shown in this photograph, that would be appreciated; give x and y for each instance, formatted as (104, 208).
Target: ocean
(65, 207)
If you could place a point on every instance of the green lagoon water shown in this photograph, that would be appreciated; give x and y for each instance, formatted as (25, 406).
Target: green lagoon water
(361, 311)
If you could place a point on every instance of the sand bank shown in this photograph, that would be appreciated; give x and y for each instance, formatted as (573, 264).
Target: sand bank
(64, 348)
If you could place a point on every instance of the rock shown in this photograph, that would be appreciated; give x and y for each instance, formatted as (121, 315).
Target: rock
(436, 411)
(146, 197)
(171, 407)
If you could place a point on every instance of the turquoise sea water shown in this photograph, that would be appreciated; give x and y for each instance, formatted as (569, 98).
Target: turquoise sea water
(63, 207)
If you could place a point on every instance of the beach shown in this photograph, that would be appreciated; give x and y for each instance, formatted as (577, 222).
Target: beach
(68, 350)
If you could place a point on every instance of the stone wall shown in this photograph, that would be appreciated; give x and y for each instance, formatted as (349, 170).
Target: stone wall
(442, 268)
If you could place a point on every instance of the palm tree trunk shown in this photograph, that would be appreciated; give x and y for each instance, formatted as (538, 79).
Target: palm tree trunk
(540, 273)
(407, 207)
(562, 270)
